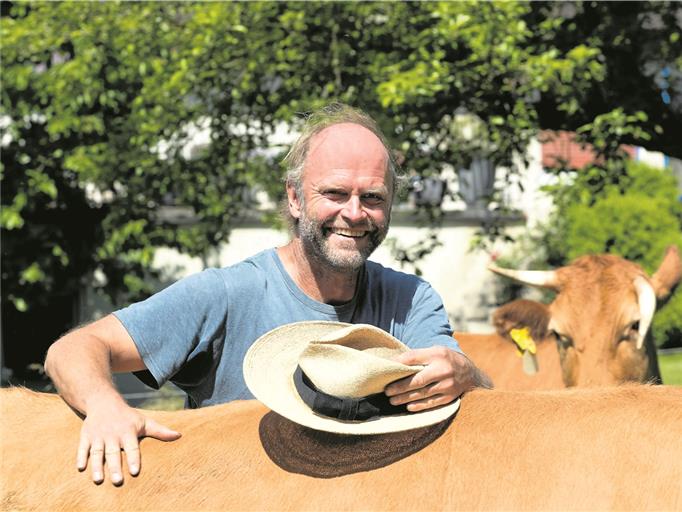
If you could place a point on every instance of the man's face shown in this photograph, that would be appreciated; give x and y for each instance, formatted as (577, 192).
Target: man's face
(345, 210)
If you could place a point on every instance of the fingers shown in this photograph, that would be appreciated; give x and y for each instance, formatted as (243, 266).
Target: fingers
(436, 369)
(416, 393)
(160, 432)
(109, 454)
(112, 455)
(93, 451)
(83, 453)
(97, 462)
(429, 403)
(101, 453)
(433, 395)
(131, 447)
(103, 440)
(418, 381)
(435, 385)
(419, 398)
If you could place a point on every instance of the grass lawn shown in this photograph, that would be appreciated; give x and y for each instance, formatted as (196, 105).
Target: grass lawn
(671, 368)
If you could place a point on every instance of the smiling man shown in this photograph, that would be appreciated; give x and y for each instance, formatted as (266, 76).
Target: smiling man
(340, 208)
(340, 185)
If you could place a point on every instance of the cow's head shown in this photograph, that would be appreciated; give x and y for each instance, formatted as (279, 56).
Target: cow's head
(599, 318)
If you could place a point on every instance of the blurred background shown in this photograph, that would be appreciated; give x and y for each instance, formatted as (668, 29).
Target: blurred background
(142, 142)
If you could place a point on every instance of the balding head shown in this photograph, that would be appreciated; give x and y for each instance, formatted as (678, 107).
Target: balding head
(346, 145)
(334, 114)
(350, 121)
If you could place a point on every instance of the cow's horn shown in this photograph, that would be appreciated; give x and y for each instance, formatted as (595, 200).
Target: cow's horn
(539, 278)
(647, 306)
(669, 273)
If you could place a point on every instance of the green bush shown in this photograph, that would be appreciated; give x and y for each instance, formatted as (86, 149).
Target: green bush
(634, 226)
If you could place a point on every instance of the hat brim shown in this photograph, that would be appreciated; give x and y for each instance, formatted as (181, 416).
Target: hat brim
(269, 367)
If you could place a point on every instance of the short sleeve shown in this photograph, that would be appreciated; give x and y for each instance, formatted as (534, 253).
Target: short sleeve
(427, 323)
(180, 330)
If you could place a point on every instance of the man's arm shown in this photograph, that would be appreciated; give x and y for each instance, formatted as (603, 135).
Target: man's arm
(80, 364)
(447, 374)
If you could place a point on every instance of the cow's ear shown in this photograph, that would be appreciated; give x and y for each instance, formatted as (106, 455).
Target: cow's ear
(668, 274)
(521, 313)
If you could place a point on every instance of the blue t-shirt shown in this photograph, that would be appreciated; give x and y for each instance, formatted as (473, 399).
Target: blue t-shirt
(196, 332)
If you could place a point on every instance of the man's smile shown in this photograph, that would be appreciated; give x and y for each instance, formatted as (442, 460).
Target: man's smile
(352, 233)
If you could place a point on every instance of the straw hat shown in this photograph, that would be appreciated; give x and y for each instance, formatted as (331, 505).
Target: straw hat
(331, 376)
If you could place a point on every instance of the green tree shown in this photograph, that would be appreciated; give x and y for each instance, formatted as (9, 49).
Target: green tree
(592, 67)
(639, 47)
(99, 100)
(98, 103)
(610, 71)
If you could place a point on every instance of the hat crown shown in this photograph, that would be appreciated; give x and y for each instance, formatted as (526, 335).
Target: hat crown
(354, 365)
(270, 366)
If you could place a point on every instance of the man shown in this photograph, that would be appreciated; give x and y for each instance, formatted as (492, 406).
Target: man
(340, 186)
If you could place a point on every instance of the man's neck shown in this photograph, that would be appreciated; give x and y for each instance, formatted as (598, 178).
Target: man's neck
(319, 282)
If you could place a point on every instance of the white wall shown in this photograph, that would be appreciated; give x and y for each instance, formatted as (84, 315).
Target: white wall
(457, 273)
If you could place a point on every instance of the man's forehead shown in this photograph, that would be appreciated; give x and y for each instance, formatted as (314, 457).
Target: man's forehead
(370, 183)
(350, 137)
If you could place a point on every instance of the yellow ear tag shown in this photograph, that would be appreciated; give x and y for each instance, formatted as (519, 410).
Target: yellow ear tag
(526, 349)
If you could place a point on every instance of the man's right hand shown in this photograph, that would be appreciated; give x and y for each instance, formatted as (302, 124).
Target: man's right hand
(80, 364)
(109, 428)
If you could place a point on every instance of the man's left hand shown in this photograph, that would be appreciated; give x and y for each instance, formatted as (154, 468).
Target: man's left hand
(447, 374)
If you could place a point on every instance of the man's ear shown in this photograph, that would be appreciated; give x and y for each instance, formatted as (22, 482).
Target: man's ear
(293, 201)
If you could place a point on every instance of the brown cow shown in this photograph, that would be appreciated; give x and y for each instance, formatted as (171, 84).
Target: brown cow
(603, 448)
(599, 321)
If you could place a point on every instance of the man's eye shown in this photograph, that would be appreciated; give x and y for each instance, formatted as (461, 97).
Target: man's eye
(335, 194)
(373, 199)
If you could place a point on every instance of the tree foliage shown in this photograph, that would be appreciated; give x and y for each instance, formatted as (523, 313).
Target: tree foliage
(99, 109)
(516, 67)
(638, 46)
(99, 101)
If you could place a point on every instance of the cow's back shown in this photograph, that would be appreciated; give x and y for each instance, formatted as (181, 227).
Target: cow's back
(498, 358)
(38, 441)
(603, 448)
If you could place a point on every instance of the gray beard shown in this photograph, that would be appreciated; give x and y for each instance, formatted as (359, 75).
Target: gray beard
(314, 238)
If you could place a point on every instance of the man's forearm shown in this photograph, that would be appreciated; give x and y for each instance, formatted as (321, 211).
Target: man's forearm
(478, 378)
(481, 380)
(79, 364)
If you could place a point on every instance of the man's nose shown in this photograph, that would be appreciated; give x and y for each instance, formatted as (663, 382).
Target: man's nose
(353, 210)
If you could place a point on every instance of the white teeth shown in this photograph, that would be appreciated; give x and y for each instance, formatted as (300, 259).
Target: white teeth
(348, 232)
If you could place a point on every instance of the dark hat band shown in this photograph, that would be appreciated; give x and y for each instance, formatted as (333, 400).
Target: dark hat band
(347, 409)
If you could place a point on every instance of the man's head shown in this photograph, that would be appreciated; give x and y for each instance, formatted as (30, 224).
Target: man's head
(336, 113)
(341, 181)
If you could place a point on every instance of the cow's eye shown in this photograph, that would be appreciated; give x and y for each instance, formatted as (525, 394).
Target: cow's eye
(631, 332)
(562, 340)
